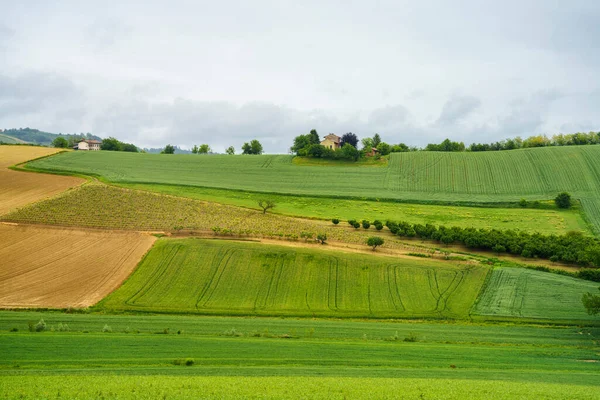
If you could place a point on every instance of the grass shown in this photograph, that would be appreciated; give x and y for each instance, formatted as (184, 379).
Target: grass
(506, 176)
(239, 278)
(518, 292)
(363, 162)
(545, 221)
(320, 359)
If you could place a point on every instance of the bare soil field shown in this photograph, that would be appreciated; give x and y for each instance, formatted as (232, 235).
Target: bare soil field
(20, 188)
(60, 268)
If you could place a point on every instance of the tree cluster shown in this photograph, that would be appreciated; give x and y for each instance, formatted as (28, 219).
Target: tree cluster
(446, 145)
(573, 247)
(202, 149)
(572, 139)
(254, 147)
(113, 144)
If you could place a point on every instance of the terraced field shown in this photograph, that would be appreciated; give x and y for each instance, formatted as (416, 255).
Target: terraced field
(223, 277)
(533, 174)
(517, 292)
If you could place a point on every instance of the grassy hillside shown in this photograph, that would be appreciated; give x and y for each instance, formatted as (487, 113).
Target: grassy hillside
(122, 356)
(517, 292)
(221, 277)
(28, 135)
(546, 220)
(9, 139)
(534, 174)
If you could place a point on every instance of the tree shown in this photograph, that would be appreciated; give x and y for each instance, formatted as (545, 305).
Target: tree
(366, 224)
(195, 149)
(111, 144)
(313, 137)
(367, 143)
(169, 149)
(383, 148)
(350, 152)
(349, 138)
(254, 147)
(335, 221)
(230, 150)
(376, 140)
(266, 204)
(301, 142)
(204, 149)
(591, 302)
(375, 241)
(321, 238)
(60, 142)
(132, 148)
(563, 200)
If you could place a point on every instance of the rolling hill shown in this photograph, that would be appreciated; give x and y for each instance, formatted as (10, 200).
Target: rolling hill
(533, 174)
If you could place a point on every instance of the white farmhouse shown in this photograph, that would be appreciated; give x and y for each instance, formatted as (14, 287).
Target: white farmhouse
(87, 145)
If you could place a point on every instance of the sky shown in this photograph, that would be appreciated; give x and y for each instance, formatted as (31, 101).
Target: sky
(226, 72)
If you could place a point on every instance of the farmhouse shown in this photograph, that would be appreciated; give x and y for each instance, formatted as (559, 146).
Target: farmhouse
(87, 145)
(332, 141)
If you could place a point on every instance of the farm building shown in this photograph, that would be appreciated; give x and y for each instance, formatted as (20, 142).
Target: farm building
(87, 145)
(332, 141)
(372, 152)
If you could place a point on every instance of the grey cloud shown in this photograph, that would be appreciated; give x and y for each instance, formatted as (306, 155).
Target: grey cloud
(389, 116)
(457, 109)
(33, 93)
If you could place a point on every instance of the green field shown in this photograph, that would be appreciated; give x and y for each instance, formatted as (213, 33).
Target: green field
(518, 292)
(533, 174)
(225, 277)
(545, 221)
(128, 356)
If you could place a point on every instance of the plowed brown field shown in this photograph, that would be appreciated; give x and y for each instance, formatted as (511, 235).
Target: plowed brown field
(19, 188)
(59, 268)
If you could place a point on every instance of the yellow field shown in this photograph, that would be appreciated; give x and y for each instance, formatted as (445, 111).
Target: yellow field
(59, 268)
(20, 188)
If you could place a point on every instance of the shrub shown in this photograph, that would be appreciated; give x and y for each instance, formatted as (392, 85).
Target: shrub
(523, 203)
(107, 329)
(306, 235)
(321, 238)
(563, 200)
(188, 362)
(375, 241)
(498, 248)
(40, 326)
(411, 338)
(335, 221)
(378, 226)
(366, 224)
(356, 225)
(351, 222)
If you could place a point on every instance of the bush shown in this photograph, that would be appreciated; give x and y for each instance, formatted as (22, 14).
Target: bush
(188, 362)
(563, 200)
(356, 225)
(107, 329)
(40, 326)
(351, 222)
(378, 226)
(375, 241)
(335, 221)
(366, 224)
(523, 203)
(306, 236)
(321, 238)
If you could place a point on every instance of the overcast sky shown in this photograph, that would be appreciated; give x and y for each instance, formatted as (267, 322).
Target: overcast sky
(224, 72)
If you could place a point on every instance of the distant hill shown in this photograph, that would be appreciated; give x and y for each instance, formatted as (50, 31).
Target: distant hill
(36, 136)
(9, 139)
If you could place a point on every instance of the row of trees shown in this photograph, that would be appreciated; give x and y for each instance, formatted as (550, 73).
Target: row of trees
(572, 139)
(573, 247)
(254, 147)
